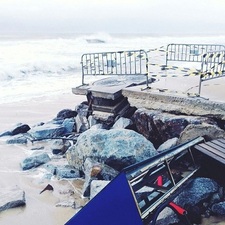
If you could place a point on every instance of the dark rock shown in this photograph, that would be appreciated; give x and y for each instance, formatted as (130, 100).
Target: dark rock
(198, 190)
(20, 129)
(219, 208)
(11, 198)
(158, 127)
(17, 139)
(117, 148)
(47, 188)
(66, 113)
(67, 172)
(47, 131)
(35, 161)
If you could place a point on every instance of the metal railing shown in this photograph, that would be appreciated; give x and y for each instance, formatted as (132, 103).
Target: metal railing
(213, 66)
(190, 52)
(133, 62)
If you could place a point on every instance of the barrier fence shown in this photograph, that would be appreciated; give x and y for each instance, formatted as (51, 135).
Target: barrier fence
(190, 52)
(138, 62)
(133, 62)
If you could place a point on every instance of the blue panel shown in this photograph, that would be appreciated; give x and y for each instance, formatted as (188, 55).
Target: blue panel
(114, 205)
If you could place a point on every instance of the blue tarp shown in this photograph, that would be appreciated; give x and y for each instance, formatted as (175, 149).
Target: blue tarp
(114, 205)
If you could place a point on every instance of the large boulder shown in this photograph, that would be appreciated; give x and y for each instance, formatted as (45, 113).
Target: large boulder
(117, 148)
(207, 130)
(158, 127)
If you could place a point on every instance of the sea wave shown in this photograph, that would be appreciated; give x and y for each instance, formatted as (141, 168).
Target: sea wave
(37, 65)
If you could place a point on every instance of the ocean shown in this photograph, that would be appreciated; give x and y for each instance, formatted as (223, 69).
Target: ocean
(37, 66)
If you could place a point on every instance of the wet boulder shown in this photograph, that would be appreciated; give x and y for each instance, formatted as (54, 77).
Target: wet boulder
(17, 139)
(11, 198)
(34, 160)
(67, 172)
(117, 148)
(48, 130)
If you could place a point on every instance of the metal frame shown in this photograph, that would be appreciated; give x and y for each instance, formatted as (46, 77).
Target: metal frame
(190, 52)
(213, 66)
(132, 62)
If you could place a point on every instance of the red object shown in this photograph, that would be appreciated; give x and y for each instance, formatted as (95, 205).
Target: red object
(160, 181)
(179, 209)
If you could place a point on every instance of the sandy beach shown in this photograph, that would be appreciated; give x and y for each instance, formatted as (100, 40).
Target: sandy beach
(39, 209)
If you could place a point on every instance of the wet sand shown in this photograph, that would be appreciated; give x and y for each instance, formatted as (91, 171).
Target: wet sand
(40, 208)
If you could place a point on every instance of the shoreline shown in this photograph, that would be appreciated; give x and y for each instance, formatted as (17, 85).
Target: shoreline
(40, 209)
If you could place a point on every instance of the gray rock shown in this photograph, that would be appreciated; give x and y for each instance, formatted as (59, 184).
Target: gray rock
(82, 109)
(97, 186)
(81, 123)
(198, 190)
(94, 170)
(17, 139)
(11, 198)
(47, 131)
(92, 121)
(122, 123)
(168, 144)
(97, 126)
(69, 125)
(35, 161)
(117, 148)
(60, 146)
(5, 133)
(67, 172)
(219, 208)
(207, 130)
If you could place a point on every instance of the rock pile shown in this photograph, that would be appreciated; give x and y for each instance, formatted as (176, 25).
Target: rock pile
(97, 151)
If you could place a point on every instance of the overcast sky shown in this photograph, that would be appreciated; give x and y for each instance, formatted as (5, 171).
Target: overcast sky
(113, 16)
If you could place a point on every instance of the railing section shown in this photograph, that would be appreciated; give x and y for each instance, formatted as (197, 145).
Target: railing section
(115, 63)
(213, 66)
(190, 52)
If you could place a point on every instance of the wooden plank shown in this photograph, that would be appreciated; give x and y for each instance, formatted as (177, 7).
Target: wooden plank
(216, 147)
(221, 140)
(210, 154)
(218, 143)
